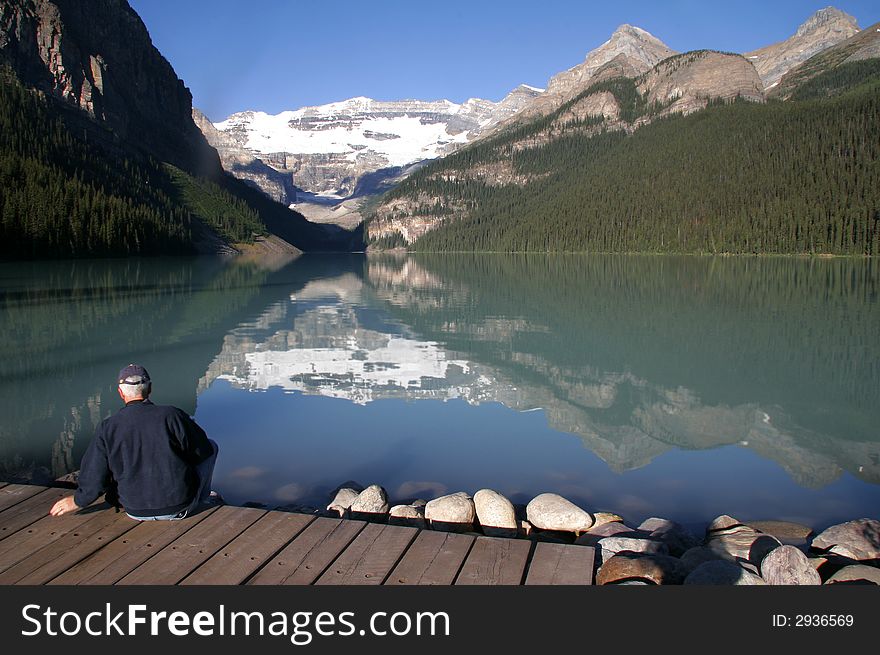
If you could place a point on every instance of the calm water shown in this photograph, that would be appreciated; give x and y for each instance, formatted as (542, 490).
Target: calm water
(678, 387)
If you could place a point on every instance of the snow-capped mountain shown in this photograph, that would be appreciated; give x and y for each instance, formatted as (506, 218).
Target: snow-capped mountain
(341, 149)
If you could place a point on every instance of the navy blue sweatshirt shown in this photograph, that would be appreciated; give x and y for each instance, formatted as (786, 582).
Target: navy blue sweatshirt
(150, 452)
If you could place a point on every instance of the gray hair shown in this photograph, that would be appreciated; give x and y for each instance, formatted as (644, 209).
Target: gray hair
(136, 390)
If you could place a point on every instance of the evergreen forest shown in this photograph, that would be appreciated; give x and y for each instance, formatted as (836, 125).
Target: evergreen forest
(66, 193)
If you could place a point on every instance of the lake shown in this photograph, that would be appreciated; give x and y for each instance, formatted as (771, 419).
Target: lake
(681, 387)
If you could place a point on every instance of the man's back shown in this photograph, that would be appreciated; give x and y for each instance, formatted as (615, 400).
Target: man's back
(151, 452)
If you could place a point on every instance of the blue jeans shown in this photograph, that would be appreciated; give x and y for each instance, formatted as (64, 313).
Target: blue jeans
(205, 471)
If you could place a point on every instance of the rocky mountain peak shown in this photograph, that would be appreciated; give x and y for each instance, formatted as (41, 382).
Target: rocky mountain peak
(825, 17)
(824, 29)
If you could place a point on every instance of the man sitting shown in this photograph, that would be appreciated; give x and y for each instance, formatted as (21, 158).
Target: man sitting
(158, 460)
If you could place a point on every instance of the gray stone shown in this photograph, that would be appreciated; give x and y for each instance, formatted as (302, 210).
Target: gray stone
(794, 534)
(659, 569)
(722, 522)
(553, 512)
(856, 574)
(610, 546)
(676, 538)
(495, 514)
(742, 544)
(342, 501)
(454, 512)
(787, 565)
(407, 515)
(419, 502)
(524, 528)
(371, 500)
(722, 572)
(697, 555)
(858, 540)
(592, 536)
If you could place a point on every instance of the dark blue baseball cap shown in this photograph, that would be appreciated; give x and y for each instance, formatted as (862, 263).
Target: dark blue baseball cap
(134, 374)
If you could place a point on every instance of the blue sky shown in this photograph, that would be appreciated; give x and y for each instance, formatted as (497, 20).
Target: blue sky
(273, 55)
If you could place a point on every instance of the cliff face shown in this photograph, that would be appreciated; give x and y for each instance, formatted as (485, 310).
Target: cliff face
(825, 28)
(686, 82)
(97, 56)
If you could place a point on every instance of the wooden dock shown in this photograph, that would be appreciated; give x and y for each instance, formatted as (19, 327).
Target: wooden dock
(243, 545)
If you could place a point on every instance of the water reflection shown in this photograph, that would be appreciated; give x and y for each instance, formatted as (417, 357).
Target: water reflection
(636, 356)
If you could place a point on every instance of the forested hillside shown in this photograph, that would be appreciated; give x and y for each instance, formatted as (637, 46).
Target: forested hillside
(62, 194)
(799, 176)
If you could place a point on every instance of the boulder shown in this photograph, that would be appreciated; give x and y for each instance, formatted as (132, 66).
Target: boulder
(592, 536)
(610, 546)
(407, 515)
(372, 500)
(601, 518)
(856, 574)
(858, 540)
(793, 534)
(659, 569)
(722, 572)
(697, 555)
(787, 565)
(722, 522)
(553, 512)
(453, 512)
(495, 514)
(676, 538)
(342, 501)
(741, 544)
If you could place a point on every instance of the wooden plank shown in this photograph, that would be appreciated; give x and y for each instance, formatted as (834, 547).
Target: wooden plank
(12, 494)
(189, 551)
(495, 561)
(370, 557)
(124, 554)
(28, 511)
(433, 559)
(54, 558)
(306, 557)
(561, 564)
(235, 563)
(37, 535)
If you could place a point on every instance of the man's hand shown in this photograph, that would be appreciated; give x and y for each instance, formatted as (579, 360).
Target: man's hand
(63, 506)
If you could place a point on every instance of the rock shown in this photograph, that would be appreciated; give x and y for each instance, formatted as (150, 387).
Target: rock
(453, 512)
(342, 501)
(793, 534)
(742, 544)
(856, 574)
(610, 546)
(495, 514)
(601, 518)
(697, 555)
(723, 522)
(592, 536)
(787, 565)
(676, 538)
(371, 500)
(659, 569)
(407, 515)
(524, 528)
(722, 572)
(858, 540)
(553, 512)
(418, 502)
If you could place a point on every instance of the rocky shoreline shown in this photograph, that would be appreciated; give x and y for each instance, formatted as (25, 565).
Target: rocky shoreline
(656, 552)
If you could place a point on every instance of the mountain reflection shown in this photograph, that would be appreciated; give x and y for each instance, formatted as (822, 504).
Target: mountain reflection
(635, 355)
